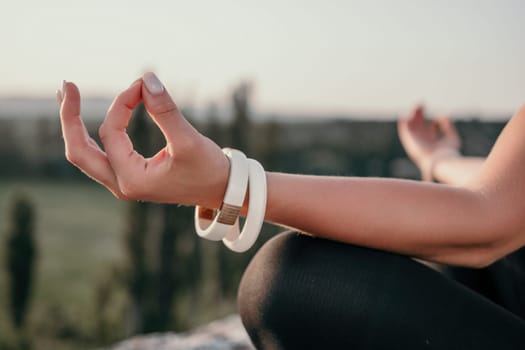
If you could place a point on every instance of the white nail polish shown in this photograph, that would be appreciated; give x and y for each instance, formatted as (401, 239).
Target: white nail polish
(59, 97)
(153, 84)
(63, 92)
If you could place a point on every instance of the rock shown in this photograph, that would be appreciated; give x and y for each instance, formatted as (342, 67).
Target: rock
(224, 334)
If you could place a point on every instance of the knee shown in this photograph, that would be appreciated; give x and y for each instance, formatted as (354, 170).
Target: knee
(299, 290)
(259, 295)
(294, 286)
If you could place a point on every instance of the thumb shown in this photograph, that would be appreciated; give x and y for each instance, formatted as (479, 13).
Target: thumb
(164, 111)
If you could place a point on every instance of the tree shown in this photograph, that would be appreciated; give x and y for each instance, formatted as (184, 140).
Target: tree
(21, 257)
(136, 271)
(137, 275)
(241, 116)
(232, 264)
(151, 281)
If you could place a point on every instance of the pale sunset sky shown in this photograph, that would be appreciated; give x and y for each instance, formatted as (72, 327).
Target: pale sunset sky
(310, 56)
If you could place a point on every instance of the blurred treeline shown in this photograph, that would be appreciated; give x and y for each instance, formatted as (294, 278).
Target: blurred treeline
(168, 279)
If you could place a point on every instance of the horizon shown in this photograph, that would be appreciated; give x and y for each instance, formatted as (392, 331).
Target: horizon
(95, 107)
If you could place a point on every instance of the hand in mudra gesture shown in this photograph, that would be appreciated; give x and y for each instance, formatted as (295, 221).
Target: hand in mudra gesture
(427, 140)
(190, 169)
(423, 138)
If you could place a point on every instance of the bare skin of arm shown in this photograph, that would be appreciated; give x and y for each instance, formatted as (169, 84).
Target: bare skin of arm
(469, 225)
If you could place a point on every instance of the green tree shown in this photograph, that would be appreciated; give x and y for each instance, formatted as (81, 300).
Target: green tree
(138, 277)
(232, 264)
(136, 271)
(214, 130)
(150, 243)
(21, 257)
(241, 116)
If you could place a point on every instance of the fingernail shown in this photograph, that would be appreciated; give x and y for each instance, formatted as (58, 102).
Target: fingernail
(59, 97)
(63, 89)
(153, 84)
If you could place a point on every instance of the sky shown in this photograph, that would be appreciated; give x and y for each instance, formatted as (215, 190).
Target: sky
(308, 56)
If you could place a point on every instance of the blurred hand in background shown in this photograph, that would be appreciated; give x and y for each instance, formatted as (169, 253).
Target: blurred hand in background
(425, 140)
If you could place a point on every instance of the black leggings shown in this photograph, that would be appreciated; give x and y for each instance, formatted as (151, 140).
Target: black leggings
(301, 292)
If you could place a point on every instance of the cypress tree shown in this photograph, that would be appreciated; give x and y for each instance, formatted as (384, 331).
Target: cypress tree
(232, 264)
(136, 235)
(21, 257)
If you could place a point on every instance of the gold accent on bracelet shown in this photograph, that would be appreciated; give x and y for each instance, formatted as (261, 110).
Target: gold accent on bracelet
(228, 214)
(206, 213)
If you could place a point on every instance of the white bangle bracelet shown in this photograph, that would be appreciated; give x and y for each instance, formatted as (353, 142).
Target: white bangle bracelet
(216, 224)
(256, 211)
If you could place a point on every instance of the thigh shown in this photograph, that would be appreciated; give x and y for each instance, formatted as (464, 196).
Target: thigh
(304, 292)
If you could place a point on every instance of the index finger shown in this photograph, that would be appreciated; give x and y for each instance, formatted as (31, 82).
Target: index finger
(117, 144)
(81, 149)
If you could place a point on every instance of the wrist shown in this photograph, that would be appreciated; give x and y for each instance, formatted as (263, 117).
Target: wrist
(223, 223)
(215, 193)
(216, 224)
(428, 164)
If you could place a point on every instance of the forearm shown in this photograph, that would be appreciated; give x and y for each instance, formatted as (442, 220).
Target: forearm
(472, 225)
(434, 222)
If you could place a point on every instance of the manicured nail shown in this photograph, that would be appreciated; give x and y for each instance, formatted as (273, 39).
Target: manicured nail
(153, 84)
(59, 97)
(64, 89)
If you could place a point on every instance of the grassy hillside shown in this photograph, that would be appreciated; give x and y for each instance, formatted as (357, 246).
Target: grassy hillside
(78, 229)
